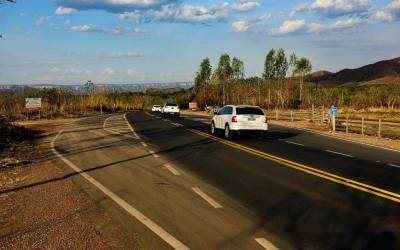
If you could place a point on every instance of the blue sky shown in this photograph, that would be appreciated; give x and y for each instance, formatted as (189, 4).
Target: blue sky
(137, 41)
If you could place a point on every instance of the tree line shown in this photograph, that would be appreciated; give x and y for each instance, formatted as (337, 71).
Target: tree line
(284, 84)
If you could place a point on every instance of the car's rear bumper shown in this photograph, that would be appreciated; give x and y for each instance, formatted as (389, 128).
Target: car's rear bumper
(238, 127)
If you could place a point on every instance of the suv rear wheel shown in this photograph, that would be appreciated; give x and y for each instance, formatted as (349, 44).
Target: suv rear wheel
(227, 132)
(213, 128)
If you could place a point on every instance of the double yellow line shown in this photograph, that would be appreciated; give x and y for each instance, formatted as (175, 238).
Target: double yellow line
(313, 171)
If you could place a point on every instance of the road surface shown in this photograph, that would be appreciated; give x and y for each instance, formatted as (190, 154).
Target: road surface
(170, 184)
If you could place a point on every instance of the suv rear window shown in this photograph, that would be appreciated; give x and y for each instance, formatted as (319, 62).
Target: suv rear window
(249, 111)
(170, 104)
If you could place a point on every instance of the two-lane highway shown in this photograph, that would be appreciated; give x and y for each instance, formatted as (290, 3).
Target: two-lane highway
(169, 183)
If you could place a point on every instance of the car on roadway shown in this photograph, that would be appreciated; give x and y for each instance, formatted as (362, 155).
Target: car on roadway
(240, 119)
(156, 108)
(170, 109)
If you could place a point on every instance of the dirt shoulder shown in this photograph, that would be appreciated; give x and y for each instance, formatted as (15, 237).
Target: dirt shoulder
(39, 208)
(323, 129)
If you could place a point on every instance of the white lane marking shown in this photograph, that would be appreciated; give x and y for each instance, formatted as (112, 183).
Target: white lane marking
(131, 128)
(164, 235)
(207, 198)
(143, 144)
(338, 153)
(117, 125)
(177, 124)
(394, 165)
(171, 169)
(295, 143)
(154, 154)
(266, 244)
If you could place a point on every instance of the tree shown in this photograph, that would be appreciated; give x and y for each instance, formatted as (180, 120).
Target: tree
(237, 69)
(224, 73)
(281, 65)
(269, 65)
(89, 86)
(293, 62)
(303, 67)
(203, 77)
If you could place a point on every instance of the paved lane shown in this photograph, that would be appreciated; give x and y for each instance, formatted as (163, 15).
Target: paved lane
(301, 209)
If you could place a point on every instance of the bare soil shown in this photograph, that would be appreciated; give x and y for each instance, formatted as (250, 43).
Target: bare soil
(41, 210)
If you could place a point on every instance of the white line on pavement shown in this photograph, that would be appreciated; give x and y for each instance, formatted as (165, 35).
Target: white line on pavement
(295, 143)
(154, 154)
(266, 244)
(131, 128)
(164, 235)
(207, 198)
(171, 169)
(338, 153)
(143, 144)
(176, 124)
(394, 165)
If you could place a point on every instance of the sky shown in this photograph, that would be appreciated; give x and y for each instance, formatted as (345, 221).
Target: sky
(143, 41)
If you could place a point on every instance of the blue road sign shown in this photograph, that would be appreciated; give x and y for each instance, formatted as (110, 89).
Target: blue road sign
(333, 111)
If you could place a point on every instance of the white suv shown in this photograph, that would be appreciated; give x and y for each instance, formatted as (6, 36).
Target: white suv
(240, 118)
(170, 109)
(156, 108)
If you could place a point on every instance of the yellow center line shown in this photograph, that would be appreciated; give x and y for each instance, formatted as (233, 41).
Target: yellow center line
(313, 171)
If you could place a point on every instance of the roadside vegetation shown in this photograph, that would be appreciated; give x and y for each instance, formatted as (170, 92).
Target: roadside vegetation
(285, 85)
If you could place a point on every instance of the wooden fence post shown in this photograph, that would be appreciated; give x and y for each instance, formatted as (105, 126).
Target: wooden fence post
(362, 125)
(347, 124)
(291, 115)
(276, 114)
(322, 114)
(379, 127)
(312, 115)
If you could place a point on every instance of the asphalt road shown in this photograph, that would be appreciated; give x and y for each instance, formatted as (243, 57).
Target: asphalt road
(169, 184)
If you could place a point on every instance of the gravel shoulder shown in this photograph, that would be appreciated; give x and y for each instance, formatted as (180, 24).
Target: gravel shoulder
(40, 209)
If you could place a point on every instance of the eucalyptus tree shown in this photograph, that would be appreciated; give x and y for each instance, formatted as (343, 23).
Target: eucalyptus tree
(237, 69)
(303, 68)
(224, 73)
(203, 78)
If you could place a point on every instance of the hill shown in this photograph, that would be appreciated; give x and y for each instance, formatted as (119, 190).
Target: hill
(379, 72)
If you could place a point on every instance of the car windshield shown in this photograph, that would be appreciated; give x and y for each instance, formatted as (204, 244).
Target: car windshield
(156, 106)
(170, 104)
(249, 111)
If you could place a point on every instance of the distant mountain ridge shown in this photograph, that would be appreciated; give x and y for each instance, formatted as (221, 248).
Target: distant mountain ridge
(379, 72)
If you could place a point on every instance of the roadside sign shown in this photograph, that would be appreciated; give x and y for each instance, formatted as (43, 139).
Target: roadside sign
(33, 103)
(333, 111)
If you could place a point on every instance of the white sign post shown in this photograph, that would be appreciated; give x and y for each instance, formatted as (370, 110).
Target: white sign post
(32, 103)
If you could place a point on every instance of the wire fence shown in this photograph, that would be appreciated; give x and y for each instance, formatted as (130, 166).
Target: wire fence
(344, 122)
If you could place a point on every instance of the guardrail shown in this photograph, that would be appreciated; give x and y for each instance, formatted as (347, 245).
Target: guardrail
(372, 127)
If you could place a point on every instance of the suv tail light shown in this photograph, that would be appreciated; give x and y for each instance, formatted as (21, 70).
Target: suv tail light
(234, 118)
(265, 119)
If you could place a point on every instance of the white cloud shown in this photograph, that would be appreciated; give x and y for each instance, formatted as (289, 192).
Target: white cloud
(91, 28)
(64, 10)
(109, 71)
(289, 26)
(301, 27)
(390, 13)
(334, 8)
(244, 25)
(42, 20)
(191, 13)
(55, 69)
(240, 26)
(131, 72)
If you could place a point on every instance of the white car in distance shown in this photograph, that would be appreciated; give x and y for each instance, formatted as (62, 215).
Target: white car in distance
(240, 119)
(156, 108)
(170, 109)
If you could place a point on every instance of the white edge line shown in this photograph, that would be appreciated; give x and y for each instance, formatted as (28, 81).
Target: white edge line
(295, 143)
(394, 165)
(130, 126)
(207, 198)
(143, 144)
(266, 244)
(338, 153)
(164, 235)
(171, 169)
